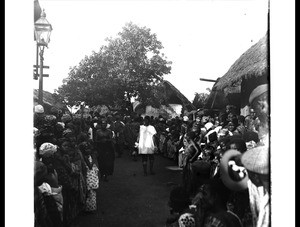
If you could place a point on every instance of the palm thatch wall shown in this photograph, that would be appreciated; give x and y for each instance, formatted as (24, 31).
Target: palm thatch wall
(253, 63)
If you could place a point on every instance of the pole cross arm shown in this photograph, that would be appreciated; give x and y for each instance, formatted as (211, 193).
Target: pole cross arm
(36, 76)
(208, 80)
(44, 66)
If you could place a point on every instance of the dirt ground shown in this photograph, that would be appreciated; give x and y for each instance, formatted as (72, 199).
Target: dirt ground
(132, 199)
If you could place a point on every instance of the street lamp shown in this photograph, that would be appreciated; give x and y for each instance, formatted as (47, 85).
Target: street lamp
(42, 31)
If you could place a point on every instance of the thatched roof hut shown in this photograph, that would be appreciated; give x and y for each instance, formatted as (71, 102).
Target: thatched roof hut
(176, 97)
(248, 71)
(174, 100)
(252, 63)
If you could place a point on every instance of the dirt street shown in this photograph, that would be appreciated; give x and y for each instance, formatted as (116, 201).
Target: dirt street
(131, 199)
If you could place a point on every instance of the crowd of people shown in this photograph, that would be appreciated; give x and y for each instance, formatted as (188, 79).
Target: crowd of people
(72, 154)
(225, 161)
(223, 157)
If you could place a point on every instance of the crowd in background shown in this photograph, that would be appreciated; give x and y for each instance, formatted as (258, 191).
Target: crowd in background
(74, 152)
(225, 161)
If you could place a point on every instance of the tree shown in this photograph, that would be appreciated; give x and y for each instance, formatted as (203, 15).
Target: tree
(129, 66)
(200, 99)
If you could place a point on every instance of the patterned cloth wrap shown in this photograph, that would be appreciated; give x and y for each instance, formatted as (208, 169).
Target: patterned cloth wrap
(186, 220)
(92, 182)
(50, 118)
(91, 202)
(92, 179)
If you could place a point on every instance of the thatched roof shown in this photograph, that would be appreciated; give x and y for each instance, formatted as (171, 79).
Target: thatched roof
(173, 91)
(47, 99)
(218, 99)
(252, 63)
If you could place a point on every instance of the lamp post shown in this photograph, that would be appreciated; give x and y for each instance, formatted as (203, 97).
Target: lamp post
(42, 31)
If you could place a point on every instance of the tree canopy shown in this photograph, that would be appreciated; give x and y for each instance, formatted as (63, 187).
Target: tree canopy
(129, 66)
(200, 99)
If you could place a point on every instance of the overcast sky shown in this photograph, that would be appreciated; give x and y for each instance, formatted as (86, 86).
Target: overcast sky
(201, 38)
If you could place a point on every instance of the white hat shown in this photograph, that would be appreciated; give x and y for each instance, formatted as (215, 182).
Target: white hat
(47, 148)
(35, 130)
(208, 125)
(258, 91)
(39, 109)
(257, 160)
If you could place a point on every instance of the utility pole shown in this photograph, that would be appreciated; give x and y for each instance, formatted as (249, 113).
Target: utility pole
(36, 73)
(42, 31)
(41, 76)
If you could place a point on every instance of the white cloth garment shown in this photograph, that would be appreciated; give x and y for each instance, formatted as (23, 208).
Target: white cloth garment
(90, 133)
(260, 205)
(146, 144)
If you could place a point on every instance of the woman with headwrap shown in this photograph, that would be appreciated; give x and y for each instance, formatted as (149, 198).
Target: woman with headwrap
(39, 116)
(50, 187)
(69, 176)
(47, 199)
(46, 132)
(78, 165)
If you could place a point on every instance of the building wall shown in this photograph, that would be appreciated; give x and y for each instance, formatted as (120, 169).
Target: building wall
(177, 108)
(172, 111)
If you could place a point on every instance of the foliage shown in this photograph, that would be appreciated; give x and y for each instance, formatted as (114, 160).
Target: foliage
(129, 66)
(200, 99)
